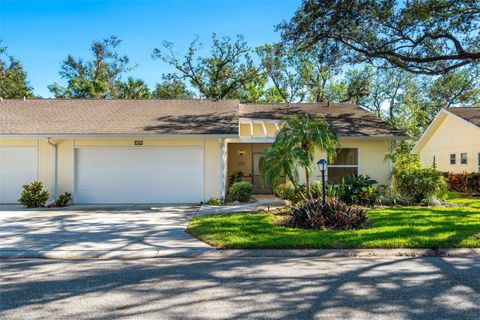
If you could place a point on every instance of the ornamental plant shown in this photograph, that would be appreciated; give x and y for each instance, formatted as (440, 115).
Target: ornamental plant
(334, 214)
(411, 180)
(294, 147)
(464, 182)
(240, 191)
(33, 195)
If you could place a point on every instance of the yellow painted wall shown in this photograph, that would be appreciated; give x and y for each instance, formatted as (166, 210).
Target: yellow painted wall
(65, 158)
(371, 159)
(453, 135)
(18, 142)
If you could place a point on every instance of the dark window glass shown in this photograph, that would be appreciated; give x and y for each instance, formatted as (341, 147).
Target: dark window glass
(463, 158)
(336, 174)
(346, 156)
(453, 158)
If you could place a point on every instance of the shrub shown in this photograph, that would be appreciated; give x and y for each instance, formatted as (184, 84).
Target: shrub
(387, 197)
(418, 183)
(357, 189)
(458, 182)
(63, 199)
(236, 176)
(214, 201)
(474, 182)
(240, 191)
(464, 182)
(33, 195)
(334, 214)
(286, 191)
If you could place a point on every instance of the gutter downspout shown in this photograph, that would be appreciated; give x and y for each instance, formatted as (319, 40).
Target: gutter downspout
(54, 169)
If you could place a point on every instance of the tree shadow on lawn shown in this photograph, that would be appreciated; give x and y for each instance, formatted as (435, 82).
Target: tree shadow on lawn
(408, 288)
(390, 228)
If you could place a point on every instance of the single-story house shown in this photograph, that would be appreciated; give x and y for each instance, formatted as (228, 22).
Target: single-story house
(165, 151)
(452, 141)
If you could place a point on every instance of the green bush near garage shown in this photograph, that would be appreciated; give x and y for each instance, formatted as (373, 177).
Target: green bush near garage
(33, 195)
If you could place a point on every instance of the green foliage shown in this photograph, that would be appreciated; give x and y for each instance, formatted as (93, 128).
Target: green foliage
(396, 227)
(286, 191)
(95, 78)
(63, 199)
(240, 191)
(283, 65)
(218, 76)
(426, 37)
(294, 147)
(357, 189)
(214, 201)
(133, 89)
(334, 214)
(172, 87)
(387, 197)
(13, 78)
(235, 176)
(33, 195)
(411, 180)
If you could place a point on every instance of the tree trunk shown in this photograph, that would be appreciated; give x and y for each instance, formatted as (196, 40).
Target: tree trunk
(307, 182)
(295, 186)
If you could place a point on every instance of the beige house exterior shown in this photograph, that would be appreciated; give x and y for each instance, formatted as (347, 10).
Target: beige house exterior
(452, 141)
(165, 151)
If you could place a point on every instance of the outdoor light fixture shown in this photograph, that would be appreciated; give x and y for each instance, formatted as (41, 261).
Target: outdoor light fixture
(241, 153)
(322, 165)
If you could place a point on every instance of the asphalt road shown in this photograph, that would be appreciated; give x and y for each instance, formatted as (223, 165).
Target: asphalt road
(242, 288)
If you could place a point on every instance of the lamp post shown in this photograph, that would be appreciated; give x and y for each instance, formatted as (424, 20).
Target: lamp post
(322, 165)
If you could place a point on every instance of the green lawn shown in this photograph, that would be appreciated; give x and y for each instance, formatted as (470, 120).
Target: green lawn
(400, 227)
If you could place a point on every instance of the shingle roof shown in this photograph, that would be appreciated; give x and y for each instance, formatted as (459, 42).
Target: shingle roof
(118, 116)
(80, 116)
(471, 114)
(347, 119)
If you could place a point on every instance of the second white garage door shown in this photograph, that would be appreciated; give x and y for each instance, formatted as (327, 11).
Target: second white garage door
(131, 175)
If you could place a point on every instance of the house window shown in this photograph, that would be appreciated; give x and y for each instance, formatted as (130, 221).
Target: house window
(463, 158)
(479, 162)
(345, 165)
(453, 158)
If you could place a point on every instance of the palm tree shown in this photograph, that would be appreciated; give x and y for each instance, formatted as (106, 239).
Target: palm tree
(294, 147)
(133, 89)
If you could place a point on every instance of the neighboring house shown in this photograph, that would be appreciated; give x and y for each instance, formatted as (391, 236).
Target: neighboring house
(165, 151)
(452, 141)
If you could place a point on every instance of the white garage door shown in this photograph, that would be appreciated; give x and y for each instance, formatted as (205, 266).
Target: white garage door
(147, 175)
(18, 166)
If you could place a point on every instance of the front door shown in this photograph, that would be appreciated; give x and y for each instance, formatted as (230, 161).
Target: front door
(259, 187)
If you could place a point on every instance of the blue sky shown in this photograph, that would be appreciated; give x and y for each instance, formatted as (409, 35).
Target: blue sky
(42, 33)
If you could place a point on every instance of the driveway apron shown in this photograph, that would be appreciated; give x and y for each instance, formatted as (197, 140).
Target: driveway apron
(99, 232)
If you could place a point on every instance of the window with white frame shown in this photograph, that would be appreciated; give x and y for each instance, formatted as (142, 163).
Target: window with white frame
(453, 158)
(463, 158)
(345, 165)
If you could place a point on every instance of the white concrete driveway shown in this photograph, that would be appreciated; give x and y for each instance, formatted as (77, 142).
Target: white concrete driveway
(99, 232)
